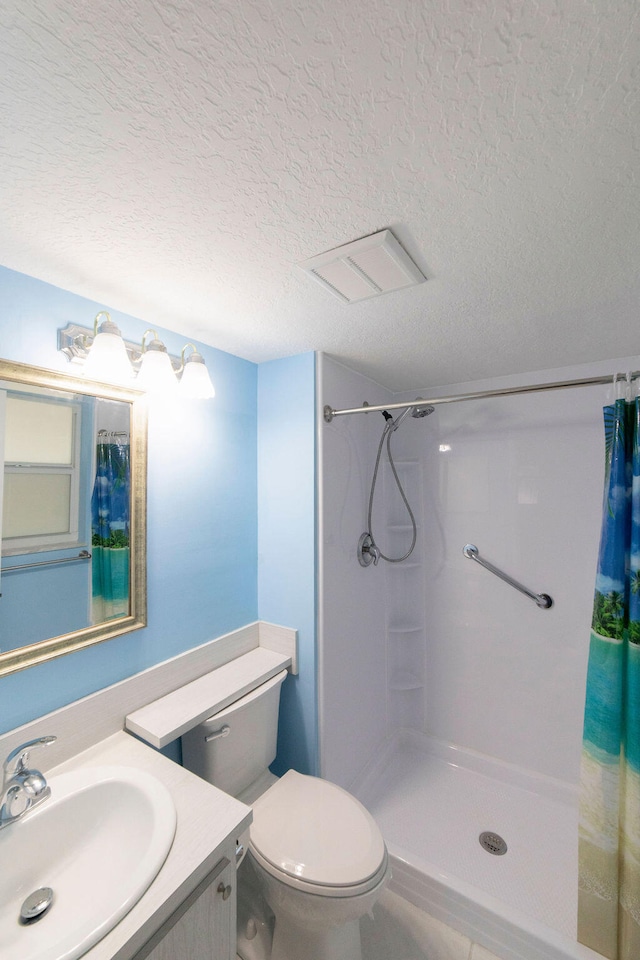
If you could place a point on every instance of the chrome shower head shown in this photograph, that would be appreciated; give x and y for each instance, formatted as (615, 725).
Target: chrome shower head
(417, 412)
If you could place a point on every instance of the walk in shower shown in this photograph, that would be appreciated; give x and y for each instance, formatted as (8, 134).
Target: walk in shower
(451, 704)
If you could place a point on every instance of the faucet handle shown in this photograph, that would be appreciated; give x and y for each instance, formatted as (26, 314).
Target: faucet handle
(21, 756)
(367, 552)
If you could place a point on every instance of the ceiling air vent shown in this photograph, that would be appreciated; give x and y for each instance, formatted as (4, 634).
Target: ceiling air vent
(365, 268)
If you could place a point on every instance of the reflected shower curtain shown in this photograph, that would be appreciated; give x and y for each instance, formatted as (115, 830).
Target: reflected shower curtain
(609, 837)
(110, 529)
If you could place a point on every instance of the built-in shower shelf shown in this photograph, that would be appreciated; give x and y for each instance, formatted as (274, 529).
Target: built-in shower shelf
(401, 682)
(399, 526)
(406, 564)
(405, 631)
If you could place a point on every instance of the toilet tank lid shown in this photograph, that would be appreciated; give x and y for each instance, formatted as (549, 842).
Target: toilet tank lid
(244, 701)
(315, 831)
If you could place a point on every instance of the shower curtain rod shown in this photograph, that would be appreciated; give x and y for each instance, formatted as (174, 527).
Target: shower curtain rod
(330, 413)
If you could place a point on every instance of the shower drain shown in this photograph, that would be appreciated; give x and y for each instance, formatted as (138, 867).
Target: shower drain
(492, 843)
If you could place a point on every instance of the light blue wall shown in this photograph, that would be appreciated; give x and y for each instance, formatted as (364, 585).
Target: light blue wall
(202, 506)
(286, 540)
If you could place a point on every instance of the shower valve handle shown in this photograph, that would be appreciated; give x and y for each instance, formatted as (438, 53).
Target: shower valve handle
(368, 553)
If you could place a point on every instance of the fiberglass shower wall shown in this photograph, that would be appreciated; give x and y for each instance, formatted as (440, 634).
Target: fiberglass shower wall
(438, 644)
(521, 478)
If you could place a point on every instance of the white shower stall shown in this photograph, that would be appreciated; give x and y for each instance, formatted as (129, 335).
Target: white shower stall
(450, 703)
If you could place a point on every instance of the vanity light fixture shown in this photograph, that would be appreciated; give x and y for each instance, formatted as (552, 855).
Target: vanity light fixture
(107, 358)
(195, 382)
(156, 373)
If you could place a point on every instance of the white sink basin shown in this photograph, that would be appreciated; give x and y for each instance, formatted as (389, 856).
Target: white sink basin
(98, 842)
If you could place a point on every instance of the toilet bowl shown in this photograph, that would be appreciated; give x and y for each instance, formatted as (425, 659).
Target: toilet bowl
(318, 861)
(321, 862)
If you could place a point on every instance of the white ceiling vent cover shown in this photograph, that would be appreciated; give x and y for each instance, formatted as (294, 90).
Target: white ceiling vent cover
(365, 268)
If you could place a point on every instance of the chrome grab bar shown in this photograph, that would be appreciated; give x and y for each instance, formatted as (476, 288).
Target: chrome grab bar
(543, 600)
(83, 555)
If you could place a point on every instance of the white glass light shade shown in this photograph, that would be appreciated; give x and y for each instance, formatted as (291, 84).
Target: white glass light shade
(156, 374)
(107, 359)
(196, 382)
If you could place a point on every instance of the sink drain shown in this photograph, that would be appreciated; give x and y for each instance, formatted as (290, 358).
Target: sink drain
(36, 905)
(492, 843)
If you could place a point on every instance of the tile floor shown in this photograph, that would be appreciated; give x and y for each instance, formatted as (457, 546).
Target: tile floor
(399, 931)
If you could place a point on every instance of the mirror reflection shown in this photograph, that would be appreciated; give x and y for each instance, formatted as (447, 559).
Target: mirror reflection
(72, 568)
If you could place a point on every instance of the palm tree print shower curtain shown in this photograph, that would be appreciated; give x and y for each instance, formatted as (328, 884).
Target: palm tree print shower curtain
(609, 837)
(110, 505)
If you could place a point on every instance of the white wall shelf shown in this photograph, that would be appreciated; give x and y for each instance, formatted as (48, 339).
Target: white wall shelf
(405, 632)
(405, 683)
(165, 719)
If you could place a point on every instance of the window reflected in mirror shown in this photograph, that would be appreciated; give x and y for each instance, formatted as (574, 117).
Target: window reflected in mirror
(41, 473)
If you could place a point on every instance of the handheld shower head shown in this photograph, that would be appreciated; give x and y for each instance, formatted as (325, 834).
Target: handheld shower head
(398, 420)
(417, 412)
(420, 412)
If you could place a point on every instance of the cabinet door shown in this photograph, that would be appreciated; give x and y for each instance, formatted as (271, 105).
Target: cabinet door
(204, 927)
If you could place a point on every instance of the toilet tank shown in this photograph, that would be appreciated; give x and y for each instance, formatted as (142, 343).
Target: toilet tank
(234, 761)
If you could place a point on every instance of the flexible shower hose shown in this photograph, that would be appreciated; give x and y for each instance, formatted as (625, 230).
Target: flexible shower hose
(386, 433)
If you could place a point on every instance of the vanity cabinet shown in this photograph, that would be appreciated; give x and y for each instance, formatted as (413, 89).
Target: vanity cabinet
(204, 925)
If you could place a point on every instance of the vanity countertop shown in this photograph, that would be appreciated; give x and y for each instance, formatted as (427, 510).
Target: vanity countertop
(206, 818)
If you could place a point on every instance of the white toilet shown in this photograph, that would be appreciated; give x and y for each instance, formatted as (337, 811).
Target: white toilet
(318, 856)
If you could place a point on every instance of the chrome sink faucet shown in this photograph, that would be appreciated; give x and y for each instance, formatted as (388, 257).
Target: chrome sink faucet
(22, 789)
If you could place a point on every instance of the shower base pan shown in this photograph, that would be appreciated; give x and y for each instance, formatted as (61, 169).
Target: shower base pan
(433, 801)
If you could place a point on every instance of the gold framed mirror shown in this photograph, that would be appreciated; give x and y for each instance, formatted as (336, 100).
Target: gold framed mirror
(73, 567)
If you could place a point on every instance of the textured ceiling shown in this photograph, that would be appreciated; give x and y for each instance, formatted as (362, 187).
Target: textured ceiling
(175, 160)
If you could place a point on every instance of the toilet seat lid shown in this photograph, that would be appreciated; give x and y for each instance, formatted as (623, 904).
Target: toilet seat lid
(314, 831)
